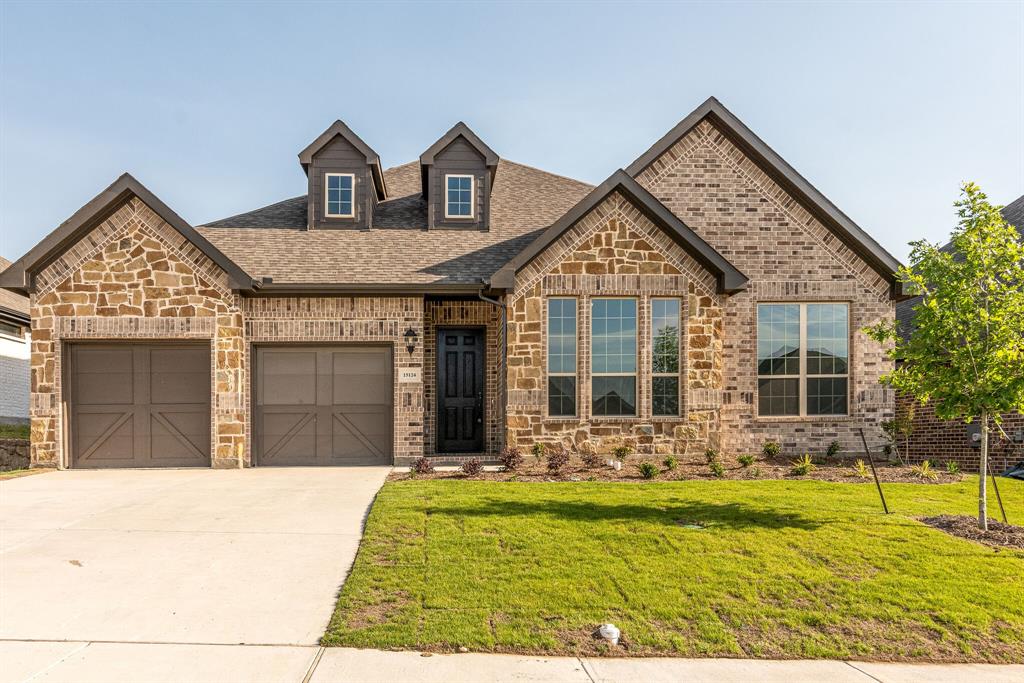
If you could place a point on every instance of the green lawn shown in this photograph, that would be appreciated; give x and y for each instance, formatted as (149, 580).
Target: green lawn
(782, 569)
(14, 431)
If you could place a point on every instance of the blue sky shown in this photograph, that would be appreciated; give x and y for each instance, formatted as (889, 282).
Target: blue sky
(884, 107)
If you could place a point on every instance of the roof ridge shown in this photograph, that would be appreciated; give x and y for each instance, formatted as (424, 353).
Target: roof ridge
(553, 175)
(212, 224)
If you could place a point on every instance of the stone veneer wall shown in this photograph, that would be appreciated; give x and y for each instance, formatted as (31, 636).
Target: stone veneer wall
(615, 251)
(943, 440)
(789, 256)
(135, 277)
(348, 320)
(440, 314)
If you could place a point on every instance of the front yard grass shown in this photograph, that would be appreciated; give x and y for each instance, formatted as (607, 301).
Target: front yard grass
(785, 569)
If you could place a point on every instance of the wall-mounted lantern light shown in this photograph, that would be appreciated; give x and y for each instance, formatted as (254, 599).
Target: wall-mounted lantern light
(410, 340)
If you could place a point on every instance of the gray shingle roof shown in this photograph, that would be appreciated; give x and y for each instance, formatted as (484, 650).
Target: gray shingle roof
(1013, 213)
(10, 300)
(398, 249)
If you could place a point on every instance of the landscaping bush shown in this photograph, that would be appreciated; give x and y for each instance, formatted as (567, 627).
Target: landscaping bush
(832, 450)
(925, 471)
(716, 468)
(648, 470)
(670, 463)
(538, 450)
(622, 452)
(861, 469)
(746, 460)
(422, 466)
(558, 458)
(591, 459)
(754, 472)
(771, 449)
(711, 455)
(511, 459)
(803, 466)
(471, 468)
(952, 467)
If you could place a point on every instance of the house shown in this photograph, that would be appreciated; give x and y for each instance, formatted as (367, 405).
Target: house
(704, 296)
(952, 440)
(15, 344)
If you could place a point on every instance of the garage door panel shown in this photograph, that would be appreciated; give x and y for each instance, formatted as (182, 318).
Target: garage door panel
(340, 405)
(140, 405)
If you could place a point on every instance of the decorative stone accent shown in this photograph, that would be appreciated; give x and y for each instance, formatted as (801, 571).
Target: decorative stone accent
(135, 277)
(14, 454)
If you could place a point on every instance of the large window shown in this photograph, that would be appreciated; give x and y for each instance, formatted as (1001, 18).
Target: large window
(340, 195)
(803, 359)
(459, 200)
(613, 356)
(561, 357)
(665, 356)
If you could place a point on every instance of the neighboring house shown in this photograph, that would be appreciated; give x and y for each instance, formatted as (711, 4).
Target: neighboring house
(944, 440)
(15, 349)
(705, 296)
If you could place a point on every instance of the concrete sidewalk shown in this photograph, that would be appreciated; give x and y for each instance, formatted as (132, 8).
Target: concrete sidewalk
(85, 662)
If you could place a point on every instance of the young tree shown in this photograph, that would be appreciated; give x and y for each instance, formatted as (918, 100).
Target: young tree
(966, 351)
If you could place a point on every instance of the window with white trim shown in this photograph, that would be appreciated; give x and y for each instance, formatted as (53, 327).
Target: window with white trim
(11, 330)
(459, 196)
(339, 190)
(613, 357)
(562, 357)
(665, 357)
(803, 359)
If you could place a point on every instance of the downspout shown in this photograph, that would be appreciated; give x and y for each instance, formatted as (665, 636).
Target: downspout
(504, 349)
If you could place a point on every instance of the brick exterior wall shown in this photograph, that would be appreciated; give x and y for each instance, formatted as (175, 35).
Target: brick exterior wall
(789, 256)
(134, 277)
(479, 314)
(944, 440)
(615, 251)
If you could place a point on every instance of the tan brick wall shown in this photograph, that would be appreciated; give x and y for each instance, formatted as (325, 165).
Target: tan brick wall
(135, 277)
(348, 320)
(789, 256)
(479, 314)
(615, 251)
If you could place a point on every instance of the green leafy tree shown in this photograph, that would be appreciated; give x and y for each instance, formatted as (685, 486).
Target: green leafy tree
(966, 352)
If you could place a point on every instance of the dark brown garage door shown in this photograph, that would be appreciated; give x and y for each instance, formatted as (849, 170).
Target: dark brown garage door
(140, 405)
(323, 406)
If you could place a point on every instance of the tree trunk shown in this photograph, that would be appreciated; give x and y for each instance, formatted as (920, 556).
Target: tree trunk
(983, 475)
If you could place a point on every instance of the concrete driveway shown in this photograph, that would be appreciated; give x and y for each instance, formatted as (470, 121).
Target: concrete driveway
(250, 556)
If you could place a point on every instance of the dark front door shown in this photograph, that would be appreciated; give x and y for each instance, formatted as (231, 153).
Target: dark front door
(460, 391)
(323, 405)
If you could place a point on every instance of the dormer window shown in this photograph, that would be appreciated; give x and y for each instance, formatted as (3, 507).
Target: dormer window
(340, 195)
(459, 202)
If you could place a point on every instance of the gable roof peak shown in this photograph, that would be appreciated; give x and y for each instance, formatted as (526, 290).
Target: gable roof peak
(460, 129)
(340, 128)
(18, 277)
(851, 234)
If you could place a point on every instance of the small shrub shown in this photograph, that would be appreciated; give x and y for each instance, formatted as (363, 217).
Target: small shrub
(472, 467)
(622, 452)
(538, 450)
(422, 466)
(861, 470)
(591, 459)
(771, 449)
(925, 471)
(832, 450)
(952, 467)
(648, 470)
(511, 459)
(746, 460)
(716, 468)
(755, 472)
(711, 455)
(803, 466)
(558, 458)
(670, 463)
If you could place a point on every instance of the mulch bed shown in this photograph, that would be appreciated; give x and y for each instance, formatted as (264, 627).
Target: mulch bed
(688, 468)
(999, 535)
